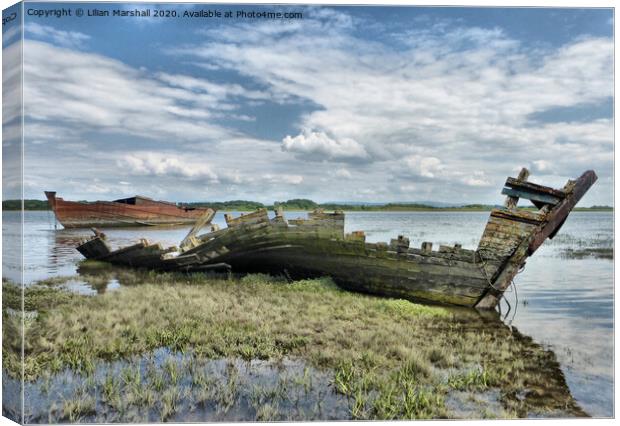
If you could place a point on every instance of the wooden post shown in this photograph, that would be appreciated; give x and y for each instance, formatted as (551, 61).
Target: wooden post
(400, 245)
(511, 202)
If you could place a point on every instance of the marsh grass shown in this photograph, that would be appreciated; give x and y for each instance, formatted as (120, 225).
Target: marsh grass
(169, 402)
(586, 252)
(475, 379)
(81, 404)
(391, 359)
(226, 392)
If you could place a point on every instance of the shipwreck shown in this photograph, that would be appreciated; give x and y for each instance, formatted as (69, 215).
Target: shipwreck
(132, 211)
(318, 246)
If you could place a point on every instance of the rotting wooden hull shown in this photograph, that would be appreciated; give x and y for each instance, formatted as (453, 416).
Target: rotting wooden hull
(318, 246)
(363, 268)
(145, 212)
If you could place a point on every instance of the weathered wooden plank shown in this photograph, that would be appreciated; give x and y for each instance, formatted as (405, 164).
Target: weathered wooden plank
(491, 298)
(387, 279)
(190, 240)
(508, 227)
(530, 195)
(344, 248)
(258, 216)
(533, 187)
(125, 251)
(501, 238)
(519, 215)
(356, 236)
(460, 254)
(94, 248)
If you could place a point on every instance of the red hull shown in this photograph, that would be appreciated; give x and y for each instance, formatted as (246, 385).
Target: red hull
(134, 211)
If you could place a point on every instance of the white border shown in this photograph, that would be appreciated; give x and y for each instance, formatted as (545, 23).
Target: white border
(478, 3)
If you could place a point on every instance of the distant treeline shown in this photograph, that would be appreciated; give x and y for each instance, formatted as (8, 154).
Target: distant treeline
(306, 205)
(302, 204)
(28, 205)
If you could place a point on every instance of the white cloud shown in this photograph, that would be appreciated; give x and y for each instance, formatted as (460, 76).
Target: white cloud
(343, 174)
(477, 179)
(80, 91)
(157, 164)
(286, 179)
(174, 166)
(428, 167)
(71, 39)
(542, 166)
(220, 92)
(319, 146)
(97, 188)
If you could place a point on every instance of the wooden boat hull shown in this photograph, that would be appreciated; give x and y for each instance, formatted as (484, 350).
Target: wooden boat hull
(145, 212)
(436, 277)
(318, 246)
(362, 268)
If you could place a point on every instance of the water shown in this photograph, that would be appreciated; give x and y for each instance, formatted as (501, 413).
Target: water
(563, 303)
(222, 390)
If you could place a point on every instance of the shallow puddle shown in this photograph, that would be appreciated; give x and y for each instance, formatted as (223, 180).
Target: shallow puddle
(176, 387)
(88, 288)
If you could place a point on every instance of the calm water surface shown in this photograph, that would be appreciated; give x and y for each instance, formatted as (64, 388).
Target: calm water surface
(564, 303)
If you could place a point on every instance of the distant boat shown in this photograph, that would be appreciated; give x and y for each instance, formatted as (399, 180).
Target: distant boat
(133, 211)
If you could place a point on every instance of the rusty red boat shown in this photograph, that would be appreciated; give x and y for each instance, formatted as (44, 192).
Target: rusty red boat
(132, 211)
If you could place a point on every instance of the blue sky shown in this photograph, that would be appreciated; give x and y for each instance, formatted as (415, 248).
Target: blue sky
(348, 103)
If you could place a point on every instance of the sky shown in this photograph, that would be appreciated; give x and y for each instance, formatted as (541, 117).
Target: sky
(363, 104)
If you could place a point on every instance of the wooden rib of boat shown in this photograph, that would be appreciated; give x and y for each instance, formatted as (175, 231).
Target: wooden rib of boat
(318, 246)
(133, 211)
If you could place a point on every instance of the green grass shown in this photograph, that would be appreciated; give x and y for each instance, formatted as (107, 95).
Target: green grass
(391, 359)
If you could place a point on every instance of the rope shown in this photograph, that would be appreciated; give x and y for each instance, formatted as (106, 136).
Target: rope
(509, 307)
(513, 284)
(484, 270)
(482, 266)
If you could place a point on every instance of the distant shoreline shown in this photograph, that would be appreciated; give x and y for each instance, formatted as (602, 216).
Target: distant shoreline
(307, 205)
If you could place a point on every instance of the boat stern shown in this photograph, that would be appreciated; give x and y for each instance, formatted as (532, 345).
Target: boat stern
(513, 234)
